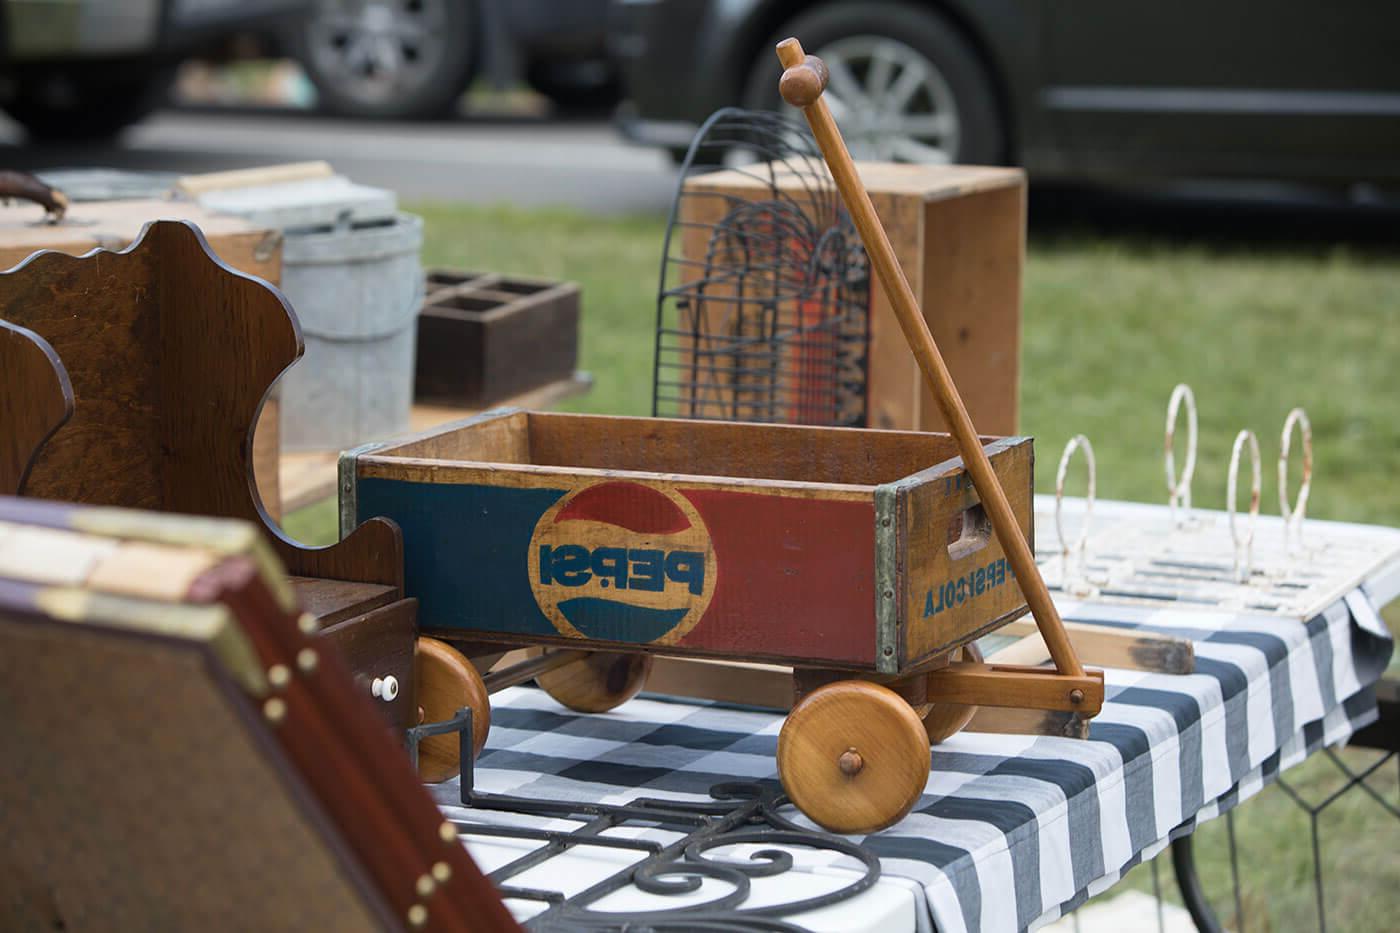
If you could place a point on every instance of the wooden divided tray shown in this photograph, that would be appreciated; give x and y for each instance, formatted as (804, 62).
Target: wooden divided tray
(180, 754)
(818, 547)
(483, 338)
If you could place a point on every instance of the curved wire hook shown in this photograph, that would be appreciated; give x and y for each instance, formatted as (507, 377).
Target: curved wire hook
(1293, 517)
(1244, 545)
(1179, 491)
(1081, 543)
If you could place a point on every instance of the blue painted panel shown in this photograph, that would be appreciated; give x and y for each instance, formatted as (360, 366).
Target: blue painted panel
(609, 620)
(466, 549)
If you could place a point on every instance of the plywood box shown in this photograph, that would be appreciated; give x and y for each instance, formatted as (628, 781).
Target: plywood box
(959, 233)
(114, 225)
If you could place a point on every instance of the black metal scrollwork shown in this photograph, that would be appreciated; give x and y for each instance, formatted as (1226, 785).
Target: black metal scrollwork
(739, 814)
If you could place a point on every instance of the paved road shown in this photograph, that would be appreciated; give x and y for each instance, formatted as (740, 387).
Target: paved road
(533, 162)
(518, 161)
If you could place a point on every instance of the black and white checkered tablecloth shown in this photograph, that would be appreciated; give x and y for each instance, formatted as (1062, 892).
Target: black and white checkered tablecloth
(1011, 830)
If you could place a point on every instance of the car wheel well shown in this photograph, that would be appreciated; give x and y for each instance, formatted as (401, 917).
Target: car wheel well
(771, 16)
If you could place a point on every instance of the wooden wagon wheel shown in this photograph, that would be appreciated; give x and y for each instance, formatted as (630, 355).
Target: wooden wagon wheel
(942, 721)
(597, 683)
(853, 756)
(446, 681)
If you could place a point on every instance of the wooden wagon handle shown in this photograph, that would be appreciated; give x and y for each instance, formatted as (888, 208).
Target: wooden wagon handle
(801, 85)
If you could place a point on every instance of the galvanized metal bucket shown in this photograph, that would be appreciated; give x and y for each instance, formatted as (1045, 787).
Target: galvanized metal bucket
(356, 290)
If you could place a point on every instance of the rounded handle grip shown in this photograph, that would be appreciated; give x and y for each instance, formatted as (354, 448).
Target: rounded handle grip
(804, 76)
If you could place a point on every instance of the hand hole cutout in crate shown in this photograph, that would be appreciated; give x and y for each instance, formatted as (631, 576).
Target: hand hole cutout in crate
(969, 532)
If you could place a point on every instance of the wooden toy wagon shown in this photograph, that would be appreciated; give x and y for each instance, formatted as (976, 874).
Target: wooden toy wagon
(864, 559)
(868, 560)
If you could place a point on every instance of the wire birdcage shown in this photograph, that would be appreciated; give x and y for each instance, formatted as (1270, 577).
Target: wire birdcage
(763, 307)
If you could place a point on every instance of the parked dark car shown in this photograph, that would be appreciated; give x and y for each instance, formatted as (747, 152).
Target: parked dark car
(84, 69)
(1093, 88)
(415, 58)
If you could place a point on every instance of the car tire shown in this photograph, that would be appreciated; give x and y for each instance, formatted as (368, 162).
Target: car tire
(418, 89)
(958, 85)
(81, 105)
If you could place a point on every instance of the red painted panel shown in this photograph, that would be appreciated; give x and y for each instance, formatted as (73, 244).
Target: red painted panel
(795, 576)
(629, 505)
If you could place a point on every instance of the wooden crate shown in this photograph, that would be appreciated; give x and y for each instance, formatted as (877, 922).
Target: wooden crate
(959, 234)
(485, 338)
(816, 547)
(115, 225)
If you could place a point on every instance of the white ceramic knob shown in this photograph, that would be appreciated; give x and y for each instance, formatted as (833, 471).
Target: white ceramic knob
(386, 688)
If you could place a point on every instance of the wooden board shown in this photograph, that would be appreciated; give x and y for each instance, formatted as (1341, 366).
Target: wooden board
(959, 234)
(165, 400)
(1104, 646)
(115, 225)
(1017, 642)
(757, 542)
(955, 582)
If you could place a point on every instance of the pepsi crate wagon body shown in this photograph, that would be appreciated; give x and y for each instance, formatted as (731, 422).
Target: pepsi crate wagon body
(824, 548)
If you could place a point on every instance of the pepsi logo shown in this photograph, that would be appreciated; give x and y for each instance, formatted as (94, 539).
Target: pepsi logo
(622, 561)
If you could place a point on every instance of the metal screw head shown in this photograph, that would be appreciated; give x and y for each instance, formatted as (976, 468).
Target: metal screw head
(279, 675)
(447, 832)
(442, 872)
(417, 916)
(307, 660)
(425, 885)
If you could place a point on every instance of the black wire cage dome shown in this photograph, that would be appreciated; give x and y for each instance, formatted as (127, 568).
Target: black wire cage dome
(763, 308)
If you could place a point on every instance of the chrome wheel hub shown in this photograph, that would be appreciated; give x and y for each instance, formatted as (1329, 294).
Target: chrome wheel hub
(891, 102)
(374, 50)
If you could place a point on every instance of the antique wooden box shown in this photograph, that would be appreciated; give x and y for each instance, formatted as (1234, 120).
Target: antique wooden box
(820, 547)
(485, 338)
(960, 234)
(180, 754)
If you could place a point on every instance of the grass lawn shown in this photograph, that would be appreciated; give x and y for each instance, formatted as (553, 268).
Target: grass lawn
(1110, 325)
